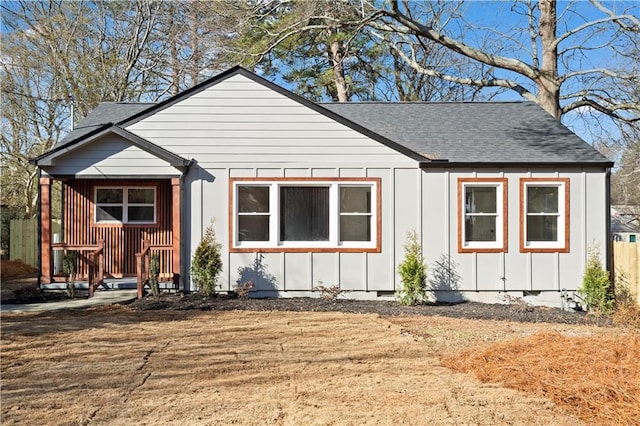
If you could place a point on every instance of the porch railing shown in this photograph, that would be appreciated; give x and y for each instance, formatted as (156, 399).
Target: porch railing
(143, 260)
(94, 261)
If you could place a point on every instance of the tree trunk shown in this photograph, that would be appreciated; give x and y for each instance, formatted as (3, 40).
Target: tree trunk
(547, 81)
(337, 56)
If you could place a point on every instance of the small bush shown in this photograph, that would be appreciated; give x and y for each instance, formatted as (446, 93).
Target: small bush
(69, 269)
(330, 293)
(413, 273)
(596, 287)
(207, 263)
(154, 273)
(244, 289)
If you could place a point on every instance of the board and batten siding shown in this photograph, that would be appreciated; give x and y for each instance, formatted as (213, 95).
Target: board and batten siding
(111, 155)
(239, 128)
(298, 273)
(512, 270)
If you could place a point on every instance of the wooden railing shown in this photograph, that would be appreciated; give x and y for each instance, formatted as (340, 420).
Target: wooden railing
(96, 268)
(94, 259)
(143, 259)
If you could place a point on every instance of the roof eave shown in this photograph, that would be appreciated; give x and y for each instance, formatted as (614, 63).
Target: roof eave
(478, 164)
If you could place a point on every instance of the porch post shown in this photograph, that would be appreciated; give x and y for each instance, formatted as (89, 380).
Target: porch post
(45, 230)
(176, 224)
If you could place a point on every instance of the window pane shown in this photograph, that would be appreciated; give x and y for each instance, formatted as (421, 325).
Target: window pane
(542, 228)
(140, 196)
(480, 228)
(140, 214)
(253, 199)
(253, 228)
(355, 228)
(108, 213)
(542, 199)
(109, 195)
(480, 199)
(355, 199)
(304, 213)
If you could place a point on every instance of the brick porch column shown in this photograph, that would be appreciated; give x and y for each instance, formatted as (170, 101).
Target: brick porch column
(45, 230)
(176, 224)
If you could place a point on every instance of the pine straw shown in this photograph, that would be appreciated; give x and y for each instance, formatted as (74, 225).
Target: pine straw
(595, 378)
(14, 268)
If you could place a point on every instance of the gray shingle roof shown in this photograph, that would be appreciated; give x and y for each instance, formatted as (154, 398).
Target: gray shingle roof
(486, 132)
(104, 113)
(479, 132)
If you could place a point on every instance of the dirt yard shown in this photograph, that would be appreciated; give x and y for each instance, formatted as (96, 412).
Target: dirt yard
(113, 365)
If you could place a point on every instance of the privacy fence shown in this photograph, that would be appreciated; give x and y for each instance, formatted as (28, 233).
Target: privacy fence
(626, 261)
(23, 240)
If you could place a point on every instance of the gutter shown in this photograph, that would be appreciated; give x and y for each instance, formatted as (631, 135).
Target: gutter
(503, 164)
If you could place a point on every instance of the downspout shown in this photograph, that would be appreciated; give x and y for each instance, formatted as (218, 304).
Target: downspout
(183, 227)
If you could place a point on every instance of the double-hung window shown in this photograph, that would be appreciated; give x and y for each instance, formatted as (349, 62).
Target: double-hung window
(323, 214)
(134, 205)
(544, 214)
(482, 204)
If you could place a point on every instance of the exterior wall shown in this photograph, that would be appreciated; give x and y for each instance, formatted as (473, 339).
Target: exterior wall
(482, 275)
(239, 128)
(112, 156)
(365, 274)
(240, 124)
(121, 241)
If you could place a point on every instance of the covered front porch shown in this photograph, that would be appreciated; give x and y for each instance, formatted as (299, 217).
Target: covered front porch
(115, 226)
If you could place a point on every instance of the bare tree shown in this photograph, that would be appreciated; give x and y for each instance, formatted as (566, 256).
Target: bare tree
(553, 74)
(88, 52)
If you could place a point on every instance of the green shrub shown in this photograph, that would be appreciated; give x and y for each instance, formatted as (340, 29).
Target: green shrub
(596, 287)
(69, 269)
(413, 273)
(207, 263)
(154, 273)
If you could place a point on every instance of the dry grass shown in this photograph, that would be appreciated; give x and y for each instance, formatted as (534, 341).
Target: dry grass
(11, 269)
(113, 366)
(597, 377)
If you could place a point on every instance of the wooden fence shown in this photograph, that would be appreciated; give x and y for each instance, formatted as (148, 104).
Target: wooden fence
(626, 261)
(23, 240)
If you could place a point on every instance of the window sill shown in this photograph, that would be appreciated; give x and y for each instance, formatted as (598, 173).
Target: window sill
(468, 249)
(305, 250)
(544, 249)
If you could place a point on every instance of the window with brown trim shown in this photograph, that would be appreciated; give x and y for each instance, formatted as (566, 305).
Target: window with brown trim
(544, 214)
(313, 214)
(134, 205)
(482, 215)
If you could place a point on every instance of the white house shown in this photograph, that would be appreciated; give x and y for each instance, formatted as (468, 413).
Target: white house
(503, 196)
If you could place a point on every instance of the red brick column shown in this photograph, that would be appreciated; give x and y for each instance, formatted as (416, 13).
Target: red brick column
(45, 230)
(176, 189)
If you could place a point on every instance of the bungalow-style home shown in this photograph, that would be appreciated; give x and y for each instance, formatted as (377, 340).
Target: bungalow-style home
(504, 198)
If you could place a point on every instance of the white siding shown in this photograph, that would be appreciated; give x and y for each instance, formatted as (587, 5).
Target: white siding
(238, 121)
(112, 155)
(239, 128)
(522, 272)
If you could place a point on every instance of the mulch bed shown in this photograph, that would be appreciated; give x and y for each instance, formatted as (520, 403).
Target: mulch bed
(519, 312)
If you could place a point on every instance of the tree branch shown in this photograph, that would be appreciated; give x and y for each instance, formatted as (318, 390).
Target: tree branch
(494, 82)
(457, 46)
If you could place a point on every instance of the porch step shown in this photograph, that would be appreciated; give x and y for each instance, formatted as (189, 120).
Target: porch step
(110, 283)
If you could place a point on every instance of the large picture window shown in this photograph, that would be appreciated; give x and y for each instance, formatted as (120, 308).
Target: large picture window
(482, 204)
(305, 214)
(135, 205)
(544, 214)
